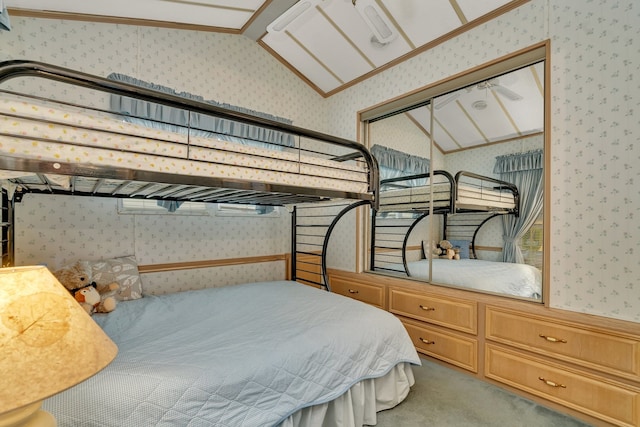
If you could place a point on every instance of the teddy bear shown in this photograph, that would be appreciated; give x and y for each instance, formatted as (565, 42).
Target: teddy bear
(88, 297)
(77, 279)
(95, 302)
(107, 297)
(74, 276)
(445, 248)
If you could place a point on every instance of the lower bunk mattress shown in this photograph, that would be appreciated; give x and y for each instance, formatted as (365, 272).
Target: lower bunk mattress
(521, 280)
(261, 354)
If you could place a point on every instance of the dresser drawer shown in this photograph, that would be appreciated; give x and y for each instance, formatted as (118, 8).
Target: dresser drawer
(453, 313)
(444, 345)
(613, 402)
(371, 294)
(589, 347)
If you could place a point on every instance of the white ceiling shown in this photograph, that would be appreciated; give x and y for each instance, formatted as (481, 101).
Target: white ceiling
(231, 15)
(328, 43)
(331, 45)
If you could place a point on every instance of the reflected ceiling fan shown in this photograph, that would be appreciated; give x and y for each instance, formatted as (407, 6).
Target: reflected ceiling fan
(491, 84)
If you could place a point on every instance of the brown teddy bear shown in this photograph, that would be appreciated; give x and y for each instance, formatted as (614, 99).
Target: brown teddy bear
(77, 279)
(74, 276)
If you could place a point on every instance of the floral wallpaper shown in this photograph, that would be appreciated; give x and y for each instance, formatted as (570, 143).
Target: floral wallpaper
(595, 150)
(60, 230)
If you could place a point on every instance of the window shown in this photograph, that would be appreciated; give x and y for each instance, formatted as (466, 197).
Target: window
(151, 207)
(231, 209)
(531, 243)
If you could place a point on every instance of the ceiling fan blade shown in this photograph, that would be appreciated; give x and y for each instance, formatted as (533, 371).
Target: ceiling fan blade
(507, 93)
(439, 103)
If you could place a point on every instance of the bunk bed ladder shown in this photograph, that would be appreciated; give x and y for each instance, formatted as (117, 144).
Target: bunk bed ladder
(7, 230)
(391, 231)
(311, 229)
(466, 227)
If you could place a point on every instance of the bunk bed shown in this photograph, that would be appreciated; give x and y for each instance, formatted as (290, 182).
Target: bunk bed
(465, 203)
(264, 354)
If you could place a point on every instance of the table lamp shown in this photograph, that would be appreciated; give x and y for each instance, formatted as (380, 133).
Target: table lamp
(48, 343)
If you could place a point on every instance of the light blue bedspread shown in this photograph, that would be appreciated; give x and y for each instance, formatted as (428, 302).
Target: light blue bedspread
(247, 355)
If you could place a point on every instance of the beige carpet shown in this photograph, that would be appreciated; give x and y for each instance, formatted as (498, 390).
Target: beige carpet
(443, 397)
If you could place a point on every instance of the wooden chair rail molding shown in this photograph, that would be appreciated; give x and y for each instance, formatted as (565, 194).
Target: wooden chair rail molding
(186, 265)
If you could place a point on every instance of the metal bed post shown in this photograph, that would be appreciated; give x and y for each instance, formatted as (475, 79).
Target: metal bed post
(372, 253)
(7, 225)
(328, 235)
(294, 268)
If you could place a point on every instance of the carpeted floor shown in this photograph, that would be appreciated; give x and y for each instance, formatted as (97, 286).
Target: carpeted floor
(442, 397)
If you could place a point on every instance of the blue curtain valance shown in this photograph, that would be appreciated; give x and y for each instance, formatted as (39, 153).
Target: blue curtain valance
(530, 160)
(4, 18)
(395, 164)
(150, 114)
(394, 159)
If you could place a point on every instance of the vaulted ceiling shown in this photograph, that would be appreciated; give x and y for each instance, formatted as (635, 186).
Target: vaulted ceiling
(331, 44)
(334, 44)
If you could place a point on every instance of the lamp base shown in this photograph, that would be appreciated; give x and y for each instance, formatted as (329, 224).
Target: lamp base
(27, 416)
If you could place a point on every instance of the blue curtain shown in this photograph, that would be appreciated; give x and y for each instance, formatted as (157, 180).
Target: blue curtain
(4, 18)
(394, 163)
(525, 171)
(161, 116)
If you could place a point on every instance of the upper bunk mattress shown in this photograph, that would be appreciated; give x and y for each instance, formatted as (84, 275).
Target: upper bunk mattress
(48, 131)
(468, 197)
(415, 198)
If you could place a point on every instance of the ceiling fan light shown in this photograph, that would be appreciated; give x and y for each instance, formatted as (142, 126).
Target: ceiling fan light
(479, 105)
(376, 20)
(293, 13)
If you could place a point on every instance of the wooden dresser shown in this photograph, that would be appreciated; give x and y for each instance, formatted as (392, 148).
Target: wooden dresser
(578, 365)
(444, 328)
(359, 289)
(582, 365)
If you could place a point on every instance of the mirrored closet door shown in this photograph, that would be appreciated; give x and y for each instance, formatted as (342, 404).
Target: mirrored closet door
(462, 180)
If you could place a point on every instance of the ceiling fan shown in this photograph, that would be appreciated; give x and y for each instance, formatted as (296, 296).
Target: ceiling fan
(491, 84)
(494, 84)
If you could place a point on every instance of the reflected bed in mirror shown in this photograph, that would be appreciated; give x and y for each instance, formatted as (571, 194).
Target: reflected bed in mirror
(485, 143)
(465, 204)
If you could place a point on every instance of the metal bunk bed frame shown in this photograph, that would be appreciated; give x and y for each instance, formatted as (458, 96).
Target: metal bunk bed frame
(210, 189)
(397, 243)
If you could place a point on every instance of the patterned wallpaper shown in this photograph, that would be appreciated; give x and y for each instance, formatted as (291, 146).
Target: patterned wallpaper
(594, 141)
(63, 229)
(229, 69)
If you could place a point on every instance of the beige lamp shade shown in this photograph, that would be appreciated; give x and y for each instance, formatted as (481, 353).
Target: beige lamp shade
(48, 343)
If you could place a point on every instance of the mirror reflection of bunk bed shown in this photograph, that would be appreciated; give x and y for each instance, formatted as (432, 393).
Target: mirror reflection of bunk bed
(53, 146)
(464, 203)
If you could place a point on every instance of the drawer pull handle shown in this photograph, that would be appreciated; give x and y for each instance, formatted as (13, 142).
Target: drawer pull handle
(353, 291)
(427, 308)
(427, 341)
(552, 339)
(552, 383)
